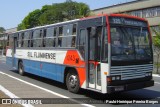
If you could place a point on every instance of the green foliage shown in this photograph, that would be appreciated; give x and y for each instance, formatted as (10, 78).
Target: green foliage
(2, 29)
(156, 39)
(31, 20)
(156, 42)
(54, 13)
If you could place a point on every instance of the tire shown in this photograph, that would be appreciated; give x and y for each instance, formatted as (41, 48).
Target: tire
(72, 82)
(20, 68)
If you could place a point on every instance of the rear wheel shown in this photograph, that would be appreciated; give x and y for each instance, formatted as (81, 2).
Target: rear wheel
(21, 69)
(72, 81)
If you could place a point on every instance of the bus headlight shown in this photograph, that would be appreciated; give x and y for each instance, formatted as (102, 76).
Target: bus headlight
(148, 74)
(118, 77)
(113, 78)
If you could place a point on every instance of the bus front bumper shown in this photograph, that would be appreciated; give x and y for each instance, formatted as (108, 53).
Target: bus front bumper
(128, 87)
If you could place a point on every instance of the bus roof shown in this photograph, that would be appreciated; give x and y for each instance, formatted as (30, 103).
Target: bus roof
(114, 15)
(38, 27)
(85, 18)
(127, 16)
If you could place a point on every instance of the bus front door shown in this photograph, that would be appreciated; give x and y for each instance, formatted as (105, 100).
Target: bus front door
(93, 59)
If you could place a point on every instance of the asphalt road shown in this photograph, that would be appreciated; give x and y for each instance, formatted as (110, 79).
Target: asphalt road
(147, 93)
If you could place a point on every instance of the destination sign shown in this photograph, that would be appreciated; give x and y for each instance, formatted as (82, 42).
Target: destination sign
(127, 21)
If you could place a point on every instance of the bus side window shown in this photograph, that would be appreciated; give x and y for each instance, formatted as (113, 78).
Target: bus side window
(69, 36)
(72, 40)
(82, 42)
(74, 30)
(37, 38)
(26, 39)
(64, 38)
(60, 34)
(22, 41)
(55, 37)
(50, 40)
(19, 42)
(44, 38)
(31, 38)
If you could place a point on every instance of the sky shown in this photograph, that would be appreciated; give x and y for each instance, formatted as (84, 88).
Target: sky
(12, 12)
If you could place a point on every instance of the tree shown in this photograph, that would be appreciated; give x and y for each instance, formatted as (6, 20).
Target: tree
(2, 29)
(54, 13)
(156, 42)
(31, 20)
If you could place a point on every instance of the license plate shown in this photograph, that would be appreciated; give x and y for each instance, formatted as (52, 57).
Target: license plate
(121, 88)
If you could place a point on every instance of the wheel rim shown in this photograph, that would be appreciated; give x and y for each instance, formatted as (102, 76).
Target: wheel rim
(73, 81)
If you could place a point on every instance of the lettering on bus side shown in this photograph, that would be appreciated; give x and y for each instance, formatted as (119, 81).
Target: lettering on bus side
(72, 58)
(42, 55)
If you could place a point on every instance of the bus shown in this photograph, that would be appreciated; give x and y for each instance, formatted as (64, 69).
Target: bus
(107, 53)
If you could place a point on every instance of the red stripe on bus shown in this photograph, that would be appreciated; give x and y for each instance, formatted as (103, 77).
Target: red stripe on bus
(108, 29)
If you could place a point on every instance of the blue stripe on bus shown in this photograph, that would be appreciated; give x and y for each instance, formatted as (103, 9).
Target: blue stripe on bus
(44, 69)
(47, 70)
(16, 63)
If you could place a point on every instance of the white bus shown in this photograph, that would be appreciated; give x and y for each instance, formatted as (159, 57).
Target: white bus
(107, 53)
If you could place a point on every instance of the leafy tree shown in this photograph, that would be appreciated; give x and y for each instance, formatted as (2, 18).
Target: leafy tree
(156, 42)
(54, 13)
(31, 20)
(2, 29)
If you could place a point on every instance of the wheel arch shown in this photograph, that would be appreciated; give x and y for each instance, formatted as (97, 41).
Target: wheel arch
(66, 71)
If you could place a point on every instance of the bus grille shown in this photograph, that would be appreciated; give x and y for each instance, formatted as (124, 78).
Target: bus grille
(131, 72)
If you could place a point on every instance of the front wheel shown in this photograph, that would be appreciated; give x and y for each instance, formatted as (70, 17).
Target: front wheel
(21, 69)
(72, 82)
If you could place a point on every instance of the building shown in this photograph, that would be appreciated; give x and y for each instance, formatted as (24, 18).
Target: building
(149, 9)
(3, 37)
(11, 30)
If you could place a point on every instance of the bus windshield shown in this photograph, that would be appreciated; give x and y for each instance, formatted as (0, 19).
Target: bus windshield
(130, 43)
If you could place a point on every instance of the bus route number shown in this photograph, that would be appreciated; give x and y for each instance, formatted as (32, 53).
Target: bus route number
(71, 58)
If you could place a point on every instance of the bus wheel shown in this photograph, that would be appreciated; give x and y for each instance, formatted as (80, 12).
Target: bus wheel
(72, 82)
(21, 69)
